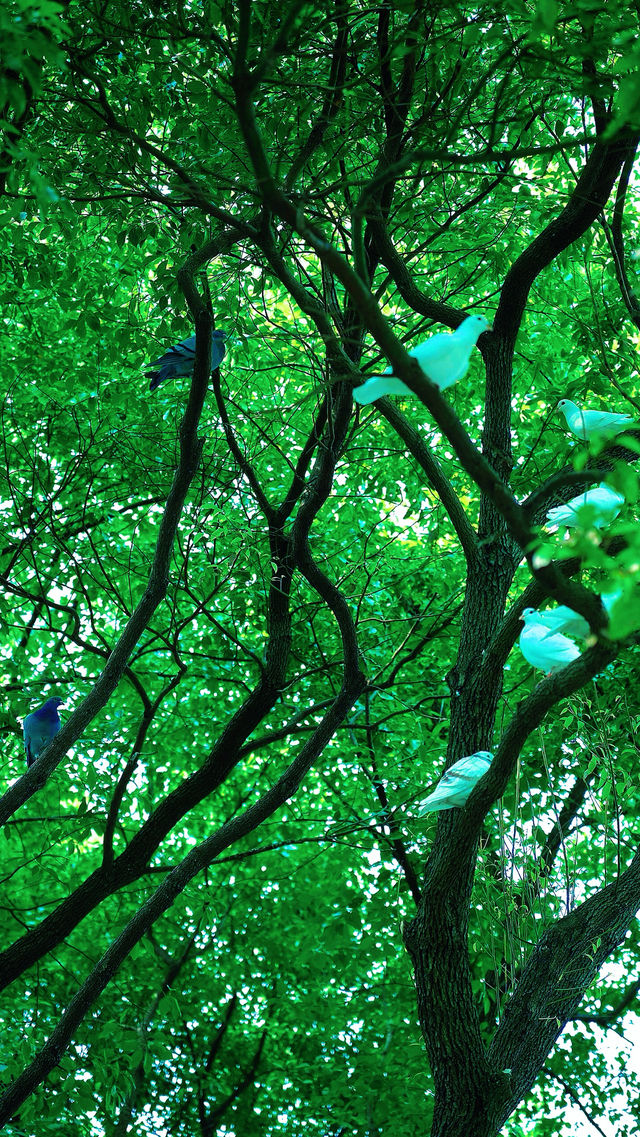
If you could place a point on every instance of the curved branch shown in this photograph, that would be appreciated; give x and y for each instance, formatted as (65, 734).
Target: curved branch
(243, 464)
(436, 478)
(319, 489)
(164, 896)
(607, 1018)
(615, 240)
(562, 966)
(105, 685)
(587, 200)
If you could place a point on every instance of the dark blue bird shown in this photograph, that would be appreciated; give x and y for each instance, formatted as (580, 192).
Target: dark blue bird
(40, 727)
(180, 358)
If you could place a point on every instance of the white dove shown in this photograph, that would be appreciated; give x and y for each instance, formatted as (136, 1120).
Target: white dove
(605, 505)
(559, 619)
(565, 620)
(589, 424)
(444, 358)
(548, 651)
(456, 784)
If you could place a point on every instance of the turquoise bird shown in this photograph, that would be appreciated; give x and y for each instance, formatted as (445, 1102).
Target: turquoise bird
(444, 358)
(457, 782)
(603, 502)
(543, 648)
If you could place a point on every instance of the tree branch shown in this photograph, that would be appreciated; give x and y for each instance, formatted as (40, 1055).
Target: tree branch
(105, 685)
(164, 896)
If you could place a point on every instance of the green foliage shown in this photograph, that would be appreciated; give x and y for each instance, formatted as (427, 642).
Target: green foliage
(293, 1007)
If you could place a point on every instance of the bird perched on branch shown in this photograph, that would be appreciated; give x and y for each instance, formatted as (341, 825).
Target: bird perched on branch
(40, 727)
(547, 650)
(587, 424)
(180, 359)
(457, 782)
(559, 619)
(602, 503)
(564, 620)
(444, 358)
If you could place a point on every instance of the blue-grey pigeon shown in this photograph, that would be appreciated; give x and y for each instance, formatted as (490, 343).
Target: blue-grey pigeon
(180, 359)
(40, 727)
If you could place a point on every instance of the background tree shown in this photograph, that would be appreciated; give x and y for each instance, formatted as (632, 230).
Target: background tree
(272, 616)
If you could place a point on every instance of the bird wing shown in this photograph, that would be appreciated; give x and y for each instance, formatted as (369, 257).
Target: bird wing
(178, 360)
(179, 351)
(37, 734)
(561, 648)
(563, 619)
(457, 782)
(559, 514)
(545, 649)
(604, 501)
(443, 358)
(603, 420)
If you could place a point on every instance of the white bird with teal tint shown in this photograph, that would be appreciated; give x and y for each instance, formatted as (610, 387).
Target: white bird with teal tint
(457, 782)
(594, 508)
(564, 620)
(587, 424)
(444, 358)
(560, 619)
(546, 650)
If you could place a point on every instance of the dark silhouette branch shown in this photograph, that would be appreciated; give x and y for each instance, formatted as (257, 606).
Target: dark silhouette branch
(612, 1016)
(190, 454)
(162, 899)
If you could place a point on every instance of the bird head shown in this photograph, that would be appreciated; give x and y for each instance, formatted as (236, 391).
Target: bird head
(476, 325)
(52, 704)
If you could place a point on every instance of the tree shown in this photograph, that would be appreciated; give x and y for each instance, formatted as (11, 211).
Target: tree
(273, 614)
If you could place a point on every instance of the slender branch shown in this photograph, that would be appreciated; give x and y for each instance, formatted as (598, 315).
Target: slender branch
(562, 966)
(607, 1018)
(173, 969)
(615, 240)
(164, 896)
(333, 99)
(105, 685)
(297, 482)
(394, 840)
(244, 465)
(210, 1120)
(127, 773)
(414, 442)
(585, 204)
(575, 1098)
